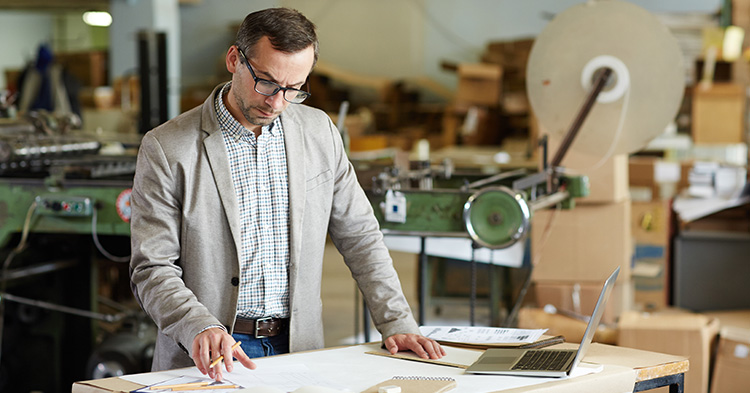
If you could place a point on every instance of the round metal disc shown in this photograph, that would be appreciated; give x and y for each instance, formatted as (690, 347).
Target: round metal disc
(496, 217)
(606, 28)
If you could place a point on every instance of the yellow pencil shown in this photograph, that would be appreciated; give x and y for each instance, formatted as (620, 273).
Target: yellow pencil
(220, 358)
(181, 385)
(206, 387)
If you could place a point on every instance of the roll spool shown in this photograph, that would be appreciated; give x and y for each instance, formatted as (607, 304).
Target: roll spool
(620, 76)
(620, 36)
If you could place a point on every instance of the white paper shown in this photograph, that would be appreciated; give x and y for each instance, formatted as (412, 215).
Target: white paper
(154, 388)
(482, 335)
(286, 377)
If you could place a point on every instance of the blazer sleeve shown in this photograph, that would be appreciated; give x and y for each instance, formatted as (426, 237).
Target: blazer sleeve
(155, 267)
(355, 232)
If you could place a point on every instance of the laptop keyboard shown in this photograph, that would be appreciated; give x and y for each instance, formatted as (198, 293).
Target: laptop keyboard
(543, 360)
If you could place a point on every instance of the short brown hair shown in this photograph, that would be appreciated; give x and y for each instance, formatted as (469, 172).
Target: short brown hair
(288, 30)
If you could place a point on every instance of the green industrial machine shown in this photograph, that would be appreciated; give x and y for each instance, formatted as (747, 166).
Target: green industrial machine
(494, 212)
(64, 229)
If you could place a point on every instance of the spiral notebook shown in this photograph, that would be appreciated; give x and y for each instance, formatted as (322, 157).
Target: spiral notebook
(415, 384)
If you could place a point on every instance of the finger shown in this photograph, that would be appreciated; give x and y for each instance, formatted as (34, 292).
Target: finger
(228, 353)
(244, 359)
(433, 349)
(416, 347)
(216, 351)
(201, 353)
(428, 348)
(390, 345)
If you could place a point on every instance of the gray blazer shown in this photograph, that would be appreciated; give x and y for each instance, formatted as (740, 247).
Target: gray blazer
(185, 232)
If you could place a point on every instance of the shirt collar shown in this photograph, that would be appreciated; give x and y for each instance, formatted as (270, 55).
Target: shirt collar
(234, 127)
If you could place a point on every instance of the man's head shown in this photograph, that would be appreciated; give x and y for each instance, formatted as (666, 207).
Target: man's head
(276, 48)
(288, 30)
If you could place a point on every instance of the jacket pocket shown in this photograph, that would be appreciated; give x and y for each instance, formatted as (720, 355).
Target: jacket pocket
(321, 178)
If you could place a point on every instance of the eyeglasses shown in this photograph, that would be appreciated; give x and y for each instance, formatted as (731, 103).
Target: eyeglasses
(268, 88)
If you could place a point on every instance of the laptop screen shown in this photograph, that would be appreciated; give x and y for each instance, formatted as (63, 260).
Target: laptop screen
(596, 316)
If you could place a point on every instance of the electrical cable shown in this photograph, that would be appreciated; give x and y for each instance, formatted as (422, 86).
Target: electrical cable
(6, 264)
(99, 246)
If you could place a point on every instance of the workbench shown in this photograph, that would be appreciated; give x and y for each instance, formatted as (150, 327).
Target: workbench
(350, 367)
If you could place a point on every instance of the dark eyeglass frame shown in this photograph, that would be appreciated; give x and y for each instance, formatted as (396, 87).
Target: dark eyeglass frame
(299, 97)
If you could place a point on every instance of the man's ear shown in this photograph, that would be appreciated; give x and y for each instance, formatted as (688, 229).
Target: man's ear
(232, 59)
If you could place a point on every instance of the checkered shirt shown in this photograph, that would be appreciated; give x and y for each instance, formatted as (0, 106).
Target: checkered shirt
(259, 175)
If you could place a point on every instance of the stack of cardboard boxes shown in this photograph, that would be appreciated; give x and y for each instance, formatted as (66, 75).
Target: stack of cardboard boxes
(474, 116)
(573, 251)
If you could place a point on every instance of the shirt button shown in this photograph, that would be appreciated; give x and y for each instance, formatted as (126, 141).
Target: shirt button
(235, 281)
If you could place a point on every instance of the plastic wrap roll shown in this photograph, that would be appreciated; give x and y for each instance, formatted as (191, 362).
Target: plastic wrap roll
(636, 46)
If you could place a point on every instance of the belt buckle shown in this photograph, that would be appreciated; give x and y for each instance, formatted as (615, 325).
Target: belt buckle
(257, 322)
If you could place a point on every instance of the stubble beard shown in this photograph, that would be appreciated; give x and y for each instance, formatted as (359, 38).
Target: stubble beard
(255, 120)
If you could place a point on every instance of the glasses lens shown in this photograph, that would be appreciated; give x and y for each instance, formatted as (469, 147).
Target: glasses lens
(265, 87)
(295, 96)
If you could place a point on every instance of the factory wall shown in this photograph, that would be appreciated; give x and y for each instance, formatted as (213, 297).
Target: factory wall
(386, 38)
(21, 32)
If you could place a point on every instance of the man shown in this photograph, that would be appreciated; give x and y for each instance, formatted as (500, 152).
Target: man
(232, 202)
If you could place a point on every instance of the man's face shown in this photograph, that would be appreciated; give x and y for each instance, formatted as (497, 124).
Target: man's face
(285, 69)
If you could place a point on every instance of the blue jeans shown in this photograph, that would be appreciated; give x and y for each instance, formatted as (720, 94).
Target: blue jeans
(267, 346)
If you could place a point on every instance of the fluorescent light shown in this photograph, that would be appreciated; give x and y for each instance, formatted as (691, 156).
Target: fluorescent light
(97, 18)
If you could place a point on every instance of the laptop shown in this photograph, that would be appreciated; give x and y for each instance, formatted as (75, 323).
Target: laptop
(543, 362)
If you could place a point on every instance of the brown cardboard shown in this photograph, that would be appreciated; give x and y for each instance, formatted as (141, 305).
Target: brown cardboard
(560, 325)
(111, 385)
(676, 333)
(479, 84)
(642, 173)
(608, 180)
(562, 295)
(582, 244)
(650, 222)
(734, 318)
(718, 113)
(732, 367)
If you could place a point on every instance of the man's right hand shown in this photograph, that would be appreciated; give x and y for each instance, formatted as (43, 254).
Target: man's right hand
(215, 342)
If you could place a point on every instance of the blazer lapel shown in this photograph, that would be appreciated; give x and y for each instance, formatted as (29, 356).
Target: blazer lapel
(219, 161)
(295, 158)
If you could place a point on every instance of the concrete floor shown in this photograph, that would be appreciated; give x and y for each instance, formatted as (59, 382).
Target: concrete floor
(339, 292)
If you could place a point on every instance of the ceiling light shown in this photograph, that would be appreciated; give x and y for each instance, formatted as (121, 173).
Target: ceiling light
(97, 18)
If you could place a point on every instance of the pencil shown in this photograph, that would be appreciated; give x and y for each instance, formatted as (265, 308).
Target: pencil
(220, 358)
(206, 387)
(181, 385)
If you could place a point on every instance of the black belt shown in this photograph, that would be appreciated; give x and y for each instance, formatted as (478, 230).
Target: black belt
(262, 327)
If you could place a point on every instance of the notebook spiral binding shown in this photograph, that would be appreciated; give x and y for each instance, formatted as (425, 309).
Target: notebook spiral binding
(420, 378)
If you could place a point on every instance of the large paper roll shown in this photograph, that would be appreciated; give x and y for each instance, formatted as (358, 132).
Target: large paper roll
(640, 101)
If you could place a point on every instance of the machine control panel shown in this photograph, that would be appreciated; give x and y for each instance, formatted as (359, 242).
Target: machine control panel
(64, 205)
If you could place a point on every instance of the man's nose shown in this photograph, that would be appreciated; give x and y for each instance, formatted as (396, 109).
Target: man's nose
(276, 101)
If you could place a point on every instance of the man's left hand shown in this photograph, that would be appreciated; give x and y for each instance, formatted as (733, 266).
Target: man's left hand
(425, 348)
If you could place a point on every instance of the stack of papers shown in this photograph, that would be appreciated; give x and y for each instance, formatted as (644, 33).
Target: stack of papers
(489, 337)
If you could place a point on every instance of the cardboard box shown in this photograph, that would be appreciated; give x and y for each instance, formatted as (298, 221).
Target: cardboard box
(732, 367)
(580, 297)
(608, 181)
(480, 84)
(649, 274)
(651, 229)
(560, 325)
(650, 222)
(664, 179)
(734, 318)
(731, 370)
(675, 333)
(582, 244)
(718, 113)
